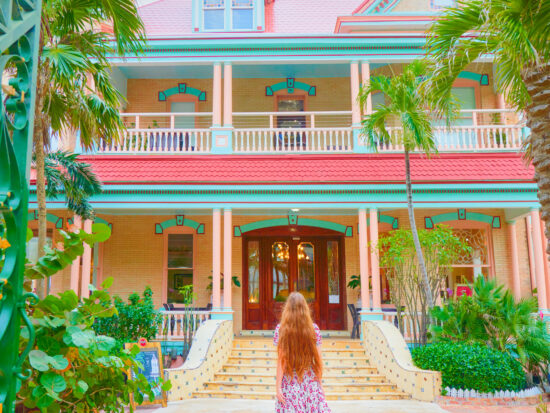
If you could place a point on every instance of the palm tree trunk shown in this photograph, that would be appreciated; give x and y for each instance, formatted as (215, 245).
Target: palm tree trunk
(38, 139)
(416, 240)
(537, 81)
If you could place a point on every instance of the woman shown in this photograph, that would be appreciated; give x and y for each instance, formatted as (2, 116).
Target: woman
(299, 366)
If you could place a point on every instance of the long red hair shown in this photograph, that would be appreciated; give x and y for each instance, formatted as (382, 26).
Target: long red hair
(297, 347)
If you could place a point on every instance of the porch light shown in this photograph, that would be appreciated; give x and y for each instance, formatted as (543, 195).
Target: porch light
(295, 209)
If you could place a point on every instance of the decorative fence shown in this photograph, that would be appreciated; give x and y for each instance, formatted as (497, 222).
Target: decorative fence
(407, 327)
(533, 391)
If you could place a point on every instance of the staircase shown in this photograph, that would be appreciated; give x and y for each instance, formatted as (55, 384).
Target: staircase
(250, 372)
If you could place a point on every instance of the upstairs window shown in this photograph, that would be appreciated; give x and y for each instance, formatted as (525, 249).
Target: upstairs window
(214, 14)
(242, 14)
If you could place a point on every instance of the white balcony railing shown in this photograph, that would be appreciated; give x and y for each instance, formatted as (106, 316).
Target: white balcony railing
(181, 325)
(305, 132)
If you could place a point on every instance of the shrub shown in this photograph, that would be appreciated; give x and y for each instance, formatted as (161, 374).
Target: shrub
(474, 367)
(492, 317)
(135, 319)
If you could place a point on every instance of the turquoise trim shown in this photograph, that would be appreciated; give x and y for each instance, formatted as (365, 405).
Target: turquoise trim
(54, 219)
(483, 79)
(462, 215)
(96, 220)
(384, 6)
(292, 220)
(370, 316)
(179, 221)
(223, 314)
(290, 84)
(387, 219)
(182, 89)
(222, 141)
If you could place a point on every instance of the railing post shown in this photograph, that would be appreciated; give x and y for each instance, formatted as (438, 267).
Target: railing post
(222, 136)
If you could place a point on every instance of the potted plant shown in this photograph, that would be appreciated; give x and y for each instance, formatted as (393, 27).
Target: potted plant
(234, 280)
(355, 283)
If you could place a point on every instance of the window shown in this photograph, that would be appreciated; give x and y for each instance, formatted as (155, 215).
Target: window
(473, 264)
(242, 14)
(180, 265)
(291, 104)
(442, 4)
(214, 14)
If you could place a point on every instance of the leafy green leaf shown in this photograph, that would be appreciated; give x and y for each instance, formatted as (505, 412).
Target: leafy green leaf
(107, 283)
(53, 381)
(39, 360)
(59, 362)
(82, 386)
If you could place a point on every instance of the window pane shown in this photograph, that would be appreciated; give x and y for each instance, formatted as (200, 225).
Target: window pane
(177, 279)
(253, 271)
(291, 105)
(306, 270)
(243, 19)
(279, 261)
(333, 272)
(214, 4)
(180, 251)
(476, 239)
(214, 19)
(243, 3)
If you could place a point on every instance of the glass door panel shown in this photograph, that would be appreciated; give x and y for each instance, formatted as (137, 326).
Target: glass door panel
(305, 283)
(333, 272)
(280, 257)
(253, 272)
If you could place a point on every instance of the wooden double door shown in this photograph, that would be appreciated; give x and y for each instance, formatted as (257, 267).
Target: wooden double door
(275, 266)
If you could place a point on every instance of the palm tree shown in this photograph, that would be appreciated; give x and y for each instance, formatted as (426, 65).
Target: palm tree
(74, 91)
(517, 34)
(409, 109)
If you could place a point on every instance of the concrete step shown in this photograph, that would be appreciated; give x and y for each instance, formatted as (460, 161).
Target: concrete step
(329, 361)
(256, 368)
(328, 378)
(258, 395)
(267, 343)
(329, 387)
(272, 352)
(270, 333)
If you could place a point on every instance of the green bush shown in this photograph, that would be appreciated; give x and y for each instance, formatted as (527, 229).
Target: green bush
(474, 367)
(136, 319)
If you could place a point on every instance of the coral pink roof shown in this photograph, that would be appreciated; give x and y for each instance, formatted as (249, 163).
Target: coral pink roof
(311, 169)
(174, 17)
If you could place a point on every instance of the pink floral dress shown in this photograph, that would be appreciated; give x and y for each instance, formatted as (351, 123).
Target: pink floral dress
(305, 396)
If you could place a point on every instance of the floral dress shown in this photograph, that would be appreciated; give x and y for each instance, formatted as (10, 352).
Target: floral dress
(305, 396)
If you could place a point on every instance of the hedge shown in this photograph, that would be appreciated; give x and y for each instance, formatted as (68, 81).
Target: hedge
(471, 367)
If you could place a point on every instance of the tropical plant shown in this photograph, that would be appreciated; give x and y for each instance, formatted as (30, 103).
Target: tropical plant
(234, 281)
(71, 367)
(65, 174)
(406, 107)
(133, 320)
(74, 92)
(471, 367)
(491, 316)
(440, 248)
(517, 36)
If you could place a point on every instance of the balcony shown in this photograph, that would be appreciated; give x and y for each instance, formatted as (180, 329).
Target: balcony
(479, 130)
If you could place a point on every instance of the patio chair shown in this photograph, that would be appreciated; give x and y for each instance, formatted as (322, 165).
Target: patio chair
(356, 322)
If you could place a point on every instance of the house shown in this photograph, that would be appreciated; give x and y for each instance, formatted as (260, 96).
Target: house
(243, 158)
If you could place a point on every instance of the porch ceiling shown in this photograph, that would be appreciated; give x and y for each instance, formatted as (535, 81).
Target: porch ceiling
(244, 71)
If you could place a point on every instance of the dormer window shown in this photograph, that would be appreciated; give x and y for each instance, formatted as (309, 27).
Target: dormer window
(214, 14)
(242, 14)
(228, 15)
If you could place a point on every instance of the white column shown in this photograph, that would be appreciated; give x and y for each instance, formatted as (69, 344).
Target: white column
(365, 79)
(364, 260)
(375, 265)
(516, 283)
(227, 251)
(227, 94)
(216, 257)
(86, 263)
(75, 266)
(355, 108)
(217, 95)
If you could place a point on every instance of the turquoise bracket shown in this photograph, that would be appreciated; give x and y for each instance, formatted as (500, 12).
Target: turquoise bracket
(97, 220)
(483, 79)
(54, 219)
(290, 85)
(386, 219)
(179, 221)
(462, 215)
(182, 89)
(293, 220)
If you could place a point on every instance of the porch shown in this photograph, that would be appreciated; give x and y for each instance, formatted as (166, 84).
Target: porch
(280, 108)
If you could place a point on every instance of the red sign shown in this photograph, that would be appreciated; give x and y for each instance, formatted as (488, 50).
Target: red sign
(142, 342)
(463, 290)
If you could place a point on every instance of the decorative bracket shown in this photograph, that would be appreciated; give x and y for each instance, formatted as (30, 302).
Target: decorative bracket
(183, 89)
(179, 221)
(462, 215)
(290, 85)
(293, 220)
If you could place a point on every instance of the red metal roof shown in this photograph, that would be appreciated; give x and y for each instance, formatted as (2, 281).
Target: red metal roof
(311, 169)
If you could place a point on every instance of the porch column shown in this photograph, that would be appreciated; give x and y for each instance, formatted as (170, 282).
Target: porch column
(75, 266)
(355, 109)
(532, 272)
(539, 259)
(86, 263)
(546, 263)
(516, 283)
(364, 261)
(217, 95)
(216, 256)
(227, 94)
(365, 79)
(375, 266)
(227, 251)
